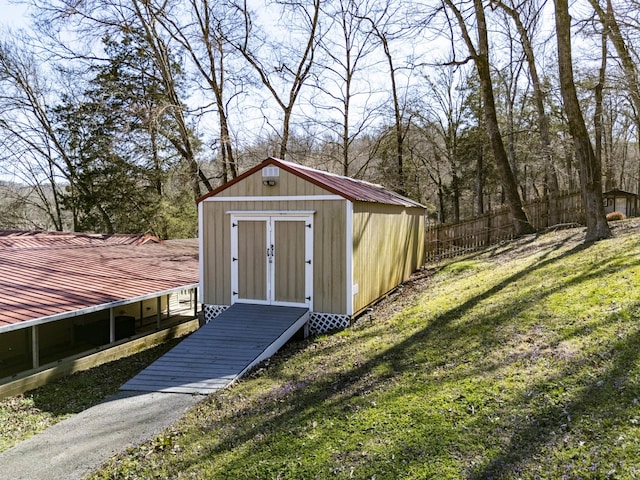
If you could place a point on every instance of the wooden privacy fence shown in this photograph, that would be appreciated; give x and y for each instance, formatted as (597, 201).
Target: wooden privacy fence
(449, 240)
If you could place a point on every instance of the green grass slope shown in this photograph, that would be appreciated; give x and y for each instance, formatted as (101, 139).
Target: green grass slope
(520, 361)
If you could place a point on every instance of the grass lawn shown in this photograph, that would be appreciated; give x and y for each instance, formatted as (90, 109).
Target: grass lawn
(521, 361)
(517, 362)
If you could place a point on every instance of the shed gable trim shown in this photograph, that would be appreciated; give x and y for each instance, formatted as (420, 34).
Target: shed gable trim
(279, 198)
(258, 168)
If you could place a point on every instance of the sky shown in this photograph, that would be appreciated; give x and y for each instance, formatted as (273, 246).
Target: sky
(11, 15)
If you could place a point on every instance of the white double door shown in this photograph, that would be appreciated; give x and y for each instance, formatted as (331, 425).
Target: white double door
(271, 259)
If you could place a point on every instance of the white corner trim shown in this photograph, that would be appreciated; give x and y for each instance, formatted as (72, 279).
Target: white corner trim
(234, 254)
(200, 253)
(309, 234)
(349, 259)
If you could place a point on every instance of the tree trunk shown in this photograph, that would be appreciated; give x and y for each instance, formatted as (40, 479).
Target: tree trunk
(589, 168)
(455, 190)
(628, 64)
(401, 187)
(480, 183)
(551, 175)
(520, 222)
(441, 200)
(480, 56)
(598, 109)
(184, 144)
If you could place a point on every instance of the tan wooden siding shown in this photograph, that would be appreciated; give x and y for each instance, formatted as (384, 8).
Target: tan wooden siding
(216, 241)
(289, 261)
(287, 185)
(329, 248)
(388, 246)
(330, 258)
(252, 258)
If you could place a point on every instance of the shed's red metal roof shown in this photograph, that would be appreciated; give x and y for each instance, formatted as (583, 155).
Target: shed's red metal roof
(350, 188)
(51, 274)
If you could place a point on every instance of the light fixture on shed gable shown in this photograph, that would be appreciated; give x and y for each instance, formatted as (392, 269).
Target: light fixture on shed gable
(270, 176)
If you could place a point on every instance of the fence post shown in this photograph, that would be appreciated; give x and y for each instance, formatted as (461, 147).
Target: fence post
(488, 240)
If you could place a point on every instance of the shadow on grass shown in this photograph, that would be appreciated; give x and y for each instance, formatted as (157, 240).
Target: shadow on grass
(595, 402)
(247, 428)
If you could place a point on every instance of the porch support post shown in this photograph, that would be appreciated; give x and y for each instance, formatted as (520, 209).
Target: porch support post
(194, 299)
(112, 326)
(158, 312)
(35, 347)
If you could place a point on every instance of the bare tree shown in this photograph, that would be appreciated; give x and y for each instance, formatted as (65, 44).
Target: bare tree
(625, 50)
(525, 32)
(32, 152)
(441, 121)
(589, 167)
(598, 113)
(293, 61)
(203, 39)
(347, 46)
(147, 16)
(386, 27)
(480, 56)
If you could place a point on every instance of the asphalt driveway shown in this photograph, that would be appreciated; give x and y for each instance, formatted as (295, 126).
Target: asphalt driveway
(75, 447)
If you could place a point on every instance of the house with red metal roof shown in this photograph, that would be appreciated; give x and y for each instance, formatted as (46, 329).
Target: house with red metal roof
(68, 295)
(285, 234)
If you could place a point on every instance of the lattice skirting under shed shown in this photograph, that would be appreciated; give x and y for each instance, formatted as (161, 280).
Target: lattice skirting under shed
(212, 311)
(318, 322)
(325, 322)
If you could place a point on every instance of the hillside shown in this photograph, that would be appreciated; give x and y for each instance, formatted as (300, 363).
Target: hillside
(520, 361)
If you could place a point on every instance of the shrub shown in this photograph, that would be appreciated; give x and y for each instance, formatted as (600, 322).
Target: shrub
(615, 216)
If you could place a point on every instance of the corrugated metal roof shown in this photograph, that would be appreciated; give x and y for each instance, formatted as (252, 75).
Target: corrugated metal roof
(618, 192)
(350, 188)
(50, 274)
(45, 239)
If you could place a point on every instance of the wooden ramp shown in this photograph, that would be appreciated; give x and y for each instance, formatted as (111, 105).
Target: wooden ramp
(221, 351)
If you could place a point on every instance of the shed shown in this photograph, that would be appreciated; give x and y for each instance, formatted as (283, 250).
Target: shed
(290, 235)
(617, 200)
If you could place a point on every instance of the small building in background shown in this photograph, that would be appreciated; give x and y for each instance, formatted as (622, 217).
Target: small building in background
(66, 296)
(290, 235)
(617, 200)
